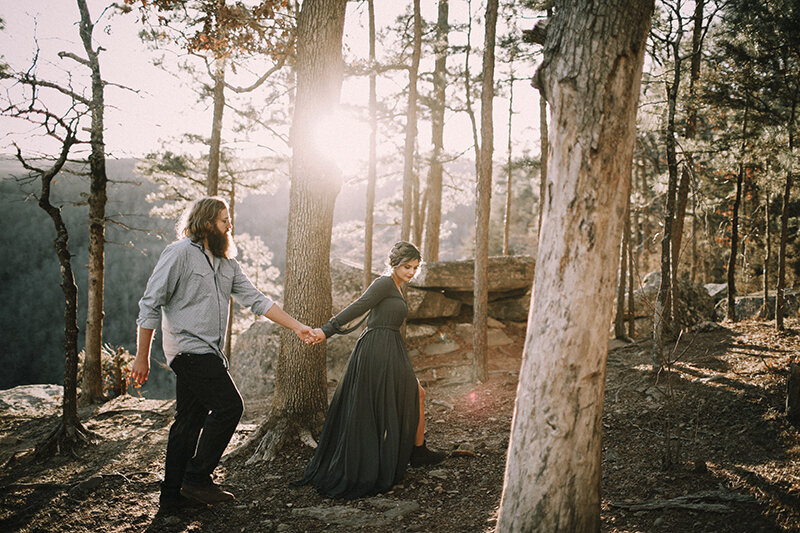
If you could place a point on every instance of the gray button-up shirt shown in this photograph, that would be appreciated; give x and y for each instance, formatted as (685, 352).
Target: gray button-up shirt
(188, 296)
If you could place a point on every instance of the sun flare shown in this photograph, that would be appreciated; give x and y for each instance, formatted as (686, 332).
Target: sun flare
(344, 139)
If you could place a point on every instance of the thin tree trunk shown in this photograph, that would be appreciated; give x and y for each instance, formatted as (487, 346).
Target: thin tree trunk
(619, 320)
(509, 173)
(372, 172)
(779, 293)
(677, 234)
(767, 257)
(70, 433)
(468, 93)
(434, 189)
(411, 127)
(229, 330)
(631, 304)
(552, 476)
(92, 364)
(662, 318)
(212, 179)
(300, 397)
(483, 198)
(731, 310)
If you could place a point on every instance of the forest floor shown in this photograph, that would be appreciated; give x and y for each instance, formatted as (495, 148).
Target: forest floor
(735, 462)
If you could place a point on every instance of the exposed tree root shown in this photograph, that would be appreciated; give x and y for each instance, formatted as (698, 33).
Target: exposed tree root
(270, 438)
(67, 438)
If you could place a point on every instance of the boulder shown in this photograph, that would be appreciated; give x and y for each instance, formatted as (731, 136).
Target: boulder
(512, 309)
(255, 353)
(506, 273)
(718, 291)
(430, 304)
(695, 305)
(253, 359)
(748, 306)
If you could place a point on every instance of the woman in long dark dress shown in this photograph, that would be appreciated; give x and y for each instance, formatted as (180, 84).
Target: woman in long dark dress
(376, 422)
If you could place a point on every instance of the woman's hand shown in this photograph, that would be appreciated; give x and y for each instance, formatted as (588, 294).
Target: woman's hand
(318, 335)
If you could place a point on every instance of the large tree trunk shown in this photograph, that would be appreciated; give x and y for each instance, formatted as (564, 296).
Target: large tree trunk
(300, 398)
(552, 477)
(372, 172)
(483, 199)
(434, 188)
(212, 179)
(411, 128)
(92, 365)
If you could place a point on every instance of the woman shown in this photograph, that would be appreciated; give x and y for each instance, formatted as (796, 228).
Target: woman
(376, 422)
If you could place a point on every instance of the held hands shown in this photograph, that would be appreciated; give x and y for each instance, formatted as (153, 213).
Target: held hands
(310, 336)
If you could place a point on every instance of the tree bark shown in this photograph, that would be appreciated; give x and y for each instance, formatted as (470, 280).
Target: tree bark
(300, 398)
(372, 172)
(212, 179)
(483, 198)
(411, 127)
(92, 386)
(591, 76)
(434, 189)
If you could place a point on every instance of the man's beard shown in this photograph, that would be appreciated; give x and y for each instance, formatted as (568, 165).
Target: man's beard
(221, 244)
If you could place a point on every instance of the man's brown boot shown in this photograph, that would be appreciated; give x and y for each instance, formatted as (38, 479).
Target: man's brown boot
(208, 494)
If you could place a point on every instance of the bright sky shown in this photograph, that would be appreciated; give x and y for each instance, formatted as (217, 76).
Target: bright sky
(137, 123)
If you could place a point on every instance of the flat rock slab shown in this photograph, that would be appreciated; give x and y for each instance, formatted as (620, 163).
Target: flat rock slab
(30, 399)
(506, 273)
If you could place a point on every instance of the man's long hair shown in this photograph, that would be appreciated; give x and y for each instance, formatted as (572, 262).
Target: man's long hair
(199, 221)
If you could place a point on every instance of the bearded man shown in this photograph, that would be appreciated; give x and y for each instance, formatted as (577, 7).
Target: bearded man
(188, 294)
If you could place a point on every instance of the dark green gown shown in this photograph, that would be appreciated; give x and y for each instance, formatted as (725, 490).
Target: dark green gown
(371, 424)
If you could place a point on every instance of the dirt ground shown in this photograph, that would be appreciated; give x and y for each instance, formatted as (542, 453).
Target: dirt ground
(733, 463)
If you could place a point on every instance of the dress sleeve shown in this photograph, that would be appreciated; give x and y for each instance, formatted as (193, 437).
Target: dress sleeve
(377, 291)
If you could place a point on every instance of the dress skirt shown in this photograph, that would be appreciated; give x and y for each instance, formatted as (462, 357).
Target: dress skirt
(371, 424)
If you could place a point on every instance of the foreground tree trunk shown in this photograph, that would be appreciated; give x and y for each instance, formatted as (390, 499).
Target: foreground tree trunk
(92, 386)
(591, 76)
(787, 193)
(483, 200)
(619, 319)
(300, 397)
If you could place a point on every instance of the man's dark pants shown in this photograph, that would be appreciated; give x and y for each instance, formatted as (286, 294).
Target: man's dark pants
(207, 399)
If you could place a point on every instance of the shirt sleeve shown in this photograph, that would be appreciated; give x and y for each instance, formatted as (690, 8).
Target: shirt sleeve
(376, 292)
(160, 287)
(246, 293)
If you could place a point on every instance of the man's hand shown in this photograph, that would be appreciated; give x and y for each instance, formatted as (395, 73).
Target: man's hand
(141, 364)
(141, 368)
